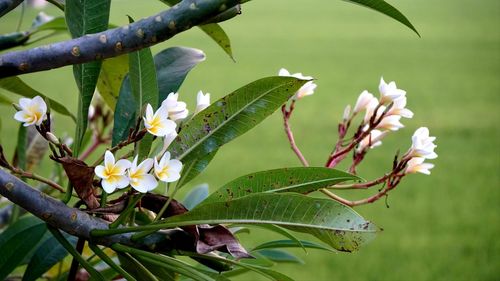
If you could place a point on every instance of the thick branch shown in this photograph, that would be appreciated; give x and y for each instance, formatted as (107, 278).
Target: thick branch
(71, 220)
(8, 5)
(114, 42)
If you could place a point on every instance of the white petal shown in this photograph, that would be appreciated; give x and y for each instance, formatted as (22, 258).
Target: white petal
(175, 165)
(122, 182)
(165, 159)
(149, 112)
(122, 165)
(100, 172)
(109, 158)
(283, 72)
(21, 116)
(146, 165)
(109, 187)
(149, 181)
(24, 103)
(173, 176)
(167, 127)
(40, 104)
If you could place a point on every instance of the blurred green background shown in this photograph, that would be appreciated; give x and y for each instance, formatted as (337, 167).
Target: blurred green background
(439, 227)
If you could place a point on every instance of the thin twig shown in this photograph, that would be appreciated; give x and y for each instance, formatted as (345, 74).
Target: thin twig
(289, 134)
(36, 177)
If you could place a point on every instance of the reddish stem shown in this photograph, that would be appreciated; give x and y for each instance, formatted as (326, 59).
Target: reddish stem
(289, 134)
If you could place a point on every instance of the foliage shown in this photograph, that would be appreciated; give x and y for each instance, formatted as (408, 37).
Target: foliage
(139, 93)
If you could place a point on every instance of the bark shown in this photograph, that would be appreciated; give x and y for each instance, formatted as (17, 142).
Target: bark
(75, 221)
(8, 5)
(117, 41)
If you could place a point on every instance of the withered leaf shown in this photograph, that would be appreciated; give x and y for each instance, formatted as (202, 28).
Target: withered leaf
(80, 176)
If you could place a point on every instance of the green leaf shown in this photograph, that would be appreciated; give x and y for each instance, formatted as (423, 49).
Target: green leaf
(17, 241)
(166, 262)
(135, 268)
(47, 255)
(100, 253)
(13, 39)
(5, 100)
(22, 143)
(193, 166)
(291, 244)
(85, 17)
(113, 71)
(195, 196)
(279, 256)
(172, 67)
(268, 273)
(232, 116)
(283, 232)
(125, 112)
(145, 90)
(302, 180)
(56, 24)
(331, 222)
(17, 86)
(386, 9)
(220, 37)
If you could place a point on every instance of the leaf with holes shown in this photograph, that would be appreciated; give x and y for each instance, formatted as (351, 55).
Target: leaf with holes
(232, 116)
(300, 180)
(85, 17)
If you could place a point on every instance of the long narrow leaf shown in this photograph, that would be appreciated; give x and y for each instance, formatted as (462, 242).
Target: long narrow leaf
(300, 180)
(386, 9)
(85, 17)
(19, 87)
(233, 115)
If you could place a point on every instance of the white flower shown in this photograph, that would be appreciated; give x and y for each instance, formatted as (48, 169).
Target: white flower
(167, 140)
(347, 112)
(168, 170)
(306, 90)
(364, 99)
(373, 140)
(112, 174)
(389, 92)
(202, 101)
(33, 111)
(422, 144)
(38, 4)
(390, 123)
(370, 108)
(139, 176)
(417, 165)
(176, 110)
(91, 112)
(158, 123)
(398, 108)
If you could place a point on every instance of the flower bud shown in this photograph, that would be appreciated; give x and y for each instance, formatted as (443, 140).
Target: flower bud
(52, 138)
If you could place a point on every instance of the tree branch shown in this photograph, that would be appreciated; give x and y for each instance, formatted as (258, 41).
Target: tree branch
(71, 220)
(8, 5)
(114, 42)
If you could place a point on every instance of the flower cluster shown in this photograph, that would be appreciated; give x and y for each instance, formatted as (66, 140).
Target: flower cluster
(306, 90)
(122, 173)
(383, 115)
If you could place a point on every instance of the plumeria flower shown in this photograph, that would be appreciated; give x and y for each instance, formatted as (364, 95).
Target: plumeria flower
(113, 174)
(306, 90)
(370, 108)
(417, 165)
(347, 112)
(33, 111)
(389, 92)
(390, 123)
(422, 144)
(398, 108)
(139, 176)
(363, 101)
(157, 123)
(168, 170)
(167, 140)
(202, 101)
(373, 140)
(176, 110)
(37, 4)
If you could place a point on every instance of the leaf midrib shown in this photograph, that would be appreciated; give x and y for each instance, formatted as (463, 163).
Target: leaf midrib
(196, 144)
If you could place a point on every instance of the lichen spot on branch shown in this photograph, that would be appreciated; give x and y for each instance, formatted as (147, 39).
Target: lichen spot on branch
(171, 25)
(118, 46)
(103, 39)
(23, 66)
(158, 19)
(139, 33)
(75, 51)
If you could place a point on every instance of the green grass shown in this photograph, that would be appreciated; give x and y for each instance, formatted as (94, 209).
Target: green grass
(439, 227)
